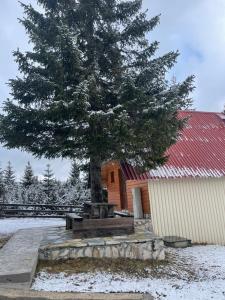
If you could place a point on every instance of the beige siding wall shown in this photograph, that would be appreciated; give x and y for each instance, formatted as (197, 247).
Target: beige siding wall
(192, 208)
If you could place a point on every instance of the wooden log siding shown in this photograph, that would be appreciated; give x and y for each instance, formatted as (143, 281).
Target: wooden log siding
(193, 208)
(113, 186)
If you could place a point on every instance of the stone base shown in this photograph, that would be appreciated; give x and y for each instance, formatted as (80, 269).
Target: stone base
(143, 249)
(143, 225)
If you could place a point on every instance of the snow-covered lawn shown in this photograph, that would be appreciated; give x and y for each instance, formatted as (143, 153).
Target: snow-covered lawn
(192, 274)
(9, 226)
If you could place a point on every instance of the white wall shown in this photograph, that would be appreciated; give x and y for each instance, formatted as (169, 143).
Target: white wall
(191, 208)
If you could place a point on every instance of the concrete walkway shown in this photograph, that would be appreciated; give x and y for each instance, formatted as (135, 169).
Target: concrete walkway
(18, 258)
(31, 295)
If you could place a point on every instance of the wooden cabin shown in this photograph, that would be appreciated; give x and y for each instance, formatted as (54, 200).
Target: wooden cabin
(198, 154)
(119, 178)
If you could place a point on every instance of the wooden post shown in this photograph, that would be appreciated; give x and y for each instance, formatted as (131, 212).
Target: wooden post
(137, 205)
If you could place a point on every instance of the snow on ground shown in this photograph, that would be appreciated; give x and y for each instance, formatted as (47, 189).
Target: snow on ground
(9, 226)
(196, 273)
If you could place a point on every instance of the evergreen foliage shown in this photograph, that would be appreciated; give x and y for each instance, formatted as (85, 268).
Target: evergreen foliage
(49, 183)
(28, 178)
(9, 176)
(46, 191)
(2, 185)
(64, 194)
(93, 88)
(74, 173)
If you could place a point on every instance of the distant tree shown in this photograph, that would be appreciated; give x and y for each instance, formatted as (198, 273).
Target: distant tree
(9, 175)
(74, 173)
(36, 181)
(34, 194)
(73, 194)
(2, 185)
(49, 183)
(28, 177)
(93, 88)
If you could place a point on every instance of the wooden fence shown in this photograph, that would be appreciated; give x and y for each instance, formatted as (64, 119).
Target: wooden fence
(8, 210)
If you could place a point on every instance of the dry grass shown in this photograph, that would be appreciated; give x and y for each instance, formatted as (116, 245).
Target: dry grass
(170, 268)
(3, 241)
(86, 265)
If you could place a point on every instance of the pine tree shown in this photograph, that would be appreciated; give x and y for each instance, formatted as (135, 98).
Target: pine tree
(49, 183)
(74, 173)
(9, 176)
(93, 88)
(2, 185)
(28, 177)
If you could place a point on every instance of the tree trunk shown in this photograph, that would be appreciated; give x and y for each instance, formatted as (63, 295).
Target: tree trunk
(96, 181)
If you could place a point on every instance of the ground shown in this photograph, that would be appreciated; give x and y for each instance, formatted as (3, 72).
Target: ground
(10, 226)
(195, 273)
(3, 241)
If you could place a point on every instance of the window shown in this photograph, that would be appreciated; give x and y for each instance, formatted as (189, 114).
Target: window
(112, 177)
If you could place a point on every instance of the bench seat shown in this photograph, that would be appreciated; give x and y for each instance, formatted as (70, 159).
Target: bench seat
(71, 219)
(103, 227)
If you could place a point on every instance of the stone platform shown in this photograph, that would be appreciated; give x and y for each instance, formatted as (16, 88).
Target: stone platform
(58, 244)
(19, 256)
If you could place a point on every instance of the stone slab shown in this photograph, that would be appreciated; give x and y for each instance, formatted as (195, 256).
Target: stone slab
(18, 258)
(176, 242)
(96, 242)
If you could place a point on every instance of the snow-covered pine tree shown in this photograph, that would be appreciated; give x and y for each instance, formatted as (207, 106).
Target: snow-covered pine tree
(74, 173)
(2, 186)
(92, 87)
(28, 177)
(34, 194)
(9, 176)
(49, 184)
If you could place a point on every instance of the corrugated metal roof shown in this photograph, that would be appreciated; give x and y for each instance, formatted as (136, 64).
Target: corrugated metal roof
(199, 151)
(129, 172)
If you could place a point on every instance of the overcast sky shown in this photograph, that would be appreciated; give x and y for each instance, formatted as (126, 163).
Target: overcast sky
(195, 27)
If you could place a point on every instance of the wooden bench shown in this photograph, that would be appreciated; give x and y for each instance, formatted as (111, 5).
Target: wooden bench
(71, 220)
(89, 228)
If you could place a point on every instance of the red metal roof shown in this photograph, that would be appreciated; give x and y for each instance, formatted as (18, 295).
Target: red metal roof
(199, 151)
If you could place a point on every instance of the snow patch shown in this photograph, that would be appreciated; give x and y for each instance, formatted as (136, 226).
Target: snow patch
(173, 172)
(10, 226)
(208, 261)
(108, 283)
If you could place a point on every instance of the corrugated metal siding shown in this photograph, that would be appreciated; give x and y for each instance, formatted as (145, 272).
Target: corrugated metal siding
(191, 208)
